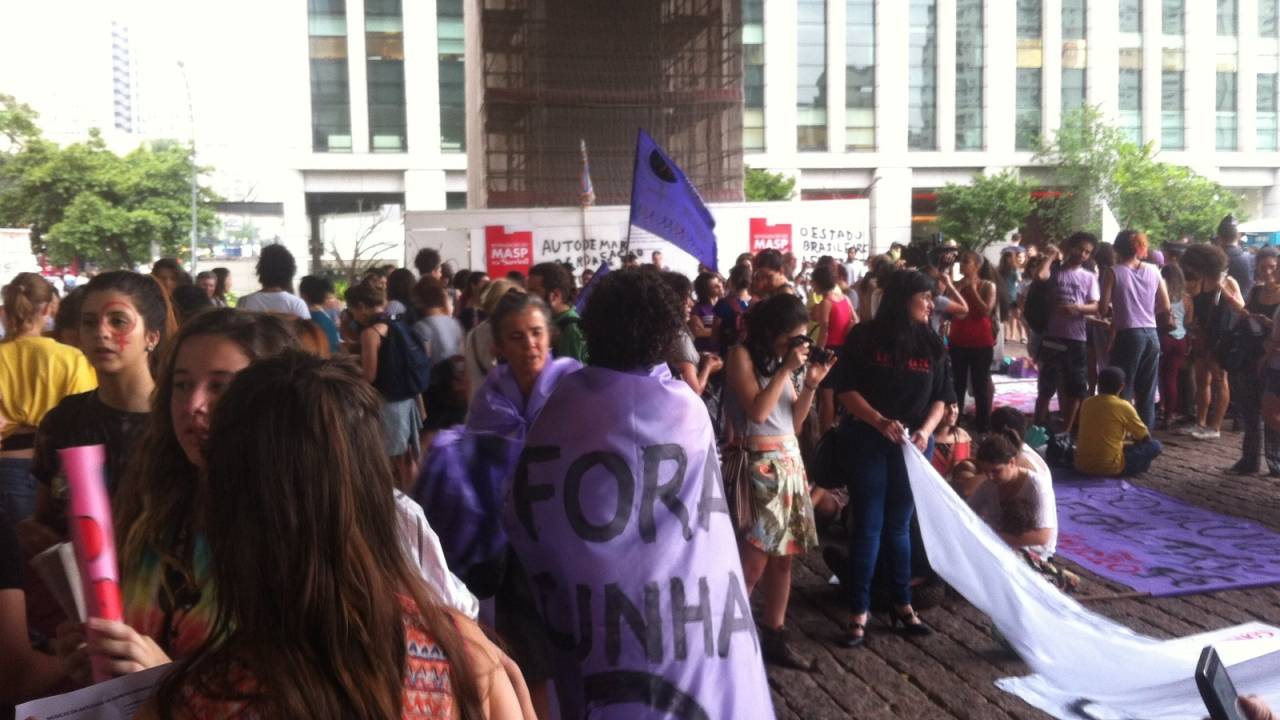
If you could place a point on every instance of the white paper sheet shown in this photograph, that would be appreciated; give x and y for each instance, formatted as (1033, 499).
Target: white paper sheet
(1085, 665)
(116, 699)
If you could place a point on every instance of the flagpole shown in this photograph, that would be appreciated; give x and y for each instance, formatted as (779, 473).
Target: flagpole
(586, 196)
(631, 214)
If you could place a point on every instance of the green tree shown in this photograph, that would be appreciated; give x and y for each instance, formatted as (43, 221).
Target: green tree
(762, 185)
(85, 202)
(1084, 154)
(984, 211)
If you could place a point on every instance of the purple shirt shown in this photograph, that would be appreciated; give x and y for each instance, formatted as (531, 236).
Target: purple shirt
(1133, 301)
(1075, 287)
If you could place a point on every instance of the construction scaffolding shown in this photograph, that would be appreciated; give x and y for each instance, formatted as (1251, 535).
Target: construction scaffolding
(558, 71)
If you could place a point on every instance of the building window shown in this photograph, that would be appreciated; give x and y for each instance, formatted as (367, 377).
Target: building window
(1073, 89)
(1172, 98)
(1073, 19)
(1027, 129)
(811, 76)
(1268, 18)
(922, 98)
(860, 75)
(1131, 16)
(969, 62)
(384, 49)
(1227, 25)
(1226, 125)
(330, 90)
(453, 87)
(753, 75)
(1029, 19)
(1172, 17)
(455, 201)
(1267, 125)
(1131, 103)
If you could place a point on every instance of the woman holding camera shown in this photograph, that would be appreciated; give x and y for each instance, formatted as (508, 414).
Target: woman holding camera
(765, 411)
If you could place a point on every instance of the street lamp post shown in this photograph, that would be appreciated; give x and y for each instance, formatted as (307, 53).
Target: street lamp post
(195, 186)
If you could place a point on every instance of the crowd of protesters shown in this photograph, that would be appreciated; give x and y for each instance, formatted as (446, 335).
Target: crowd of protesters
(312, 495)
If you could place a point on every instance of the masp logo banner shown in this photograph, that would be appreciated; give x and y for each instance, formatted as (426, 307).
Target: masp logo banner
(770, 237)
(507, 251)
(665, 203)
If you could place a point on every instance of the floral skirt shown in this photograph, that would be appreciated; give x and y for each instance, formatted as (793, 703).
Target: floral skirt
(784, 512)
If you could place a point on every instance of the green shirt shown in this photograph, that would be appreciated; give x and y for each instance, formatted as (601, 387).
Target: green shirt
(570, 342)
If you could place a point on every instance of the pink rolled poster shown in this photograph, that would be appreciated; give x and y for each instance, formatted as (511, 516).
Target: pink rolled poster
(93, 536)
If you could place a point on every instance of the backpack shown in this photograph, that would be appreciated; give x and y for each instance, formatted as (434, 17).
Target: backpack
(1038, 306)
(404, 371)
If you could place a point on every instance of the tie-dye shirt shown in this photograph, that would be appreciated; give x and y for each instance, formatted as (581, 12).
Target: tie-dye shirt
(172, 606)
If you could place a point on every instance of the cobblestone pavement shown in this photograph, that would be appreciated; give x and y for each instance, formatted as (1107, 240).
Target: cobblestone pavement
(951, 673)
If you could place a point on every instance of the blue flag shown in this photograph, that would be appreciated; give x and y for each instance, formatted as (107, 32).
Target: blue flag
(590, 287)
(665, 203)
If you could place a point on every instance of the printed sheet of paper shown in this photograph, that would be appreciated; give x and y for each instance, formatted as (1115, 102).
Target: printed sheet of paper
(117, 699)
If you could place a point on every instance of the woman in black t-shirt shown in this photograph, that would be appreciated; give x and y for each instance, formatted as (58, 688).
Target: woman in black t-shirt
(894, 382)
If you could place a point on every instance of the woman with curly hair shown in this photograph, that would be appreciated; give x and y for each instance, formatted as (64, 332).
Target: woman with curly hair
(765, 412)
(1215, 299)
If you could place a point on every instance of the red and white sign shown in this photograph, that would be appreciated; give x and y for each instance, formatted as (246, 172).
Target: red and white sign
(507, 251)
(770, 237)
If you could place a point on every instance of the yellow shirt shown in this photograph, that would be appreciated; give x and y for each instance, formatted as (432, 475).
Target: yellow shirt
(1105, 421)
(35, 374)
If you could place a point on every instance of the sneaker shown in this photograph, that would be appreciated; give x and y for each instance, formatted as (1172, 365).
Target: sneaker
(777, 649)
(1204, 433)
(1191, 430)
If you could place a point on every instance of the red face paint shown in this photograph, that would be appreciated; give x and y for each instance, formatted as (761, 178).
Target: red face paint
(120, 335)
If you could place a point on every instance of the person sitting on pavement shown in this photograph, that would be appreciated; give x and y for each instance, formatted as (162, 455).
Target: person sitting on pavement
(1017, 502)
(1106, 421)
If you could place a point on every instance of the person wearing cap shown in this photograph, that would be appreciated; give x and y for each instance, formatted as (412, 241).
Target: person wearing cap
(1239, 265)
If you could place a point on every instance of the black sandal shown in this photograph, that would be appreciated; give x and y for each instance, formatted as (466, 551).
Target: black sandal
(910, 623)
(855, 635)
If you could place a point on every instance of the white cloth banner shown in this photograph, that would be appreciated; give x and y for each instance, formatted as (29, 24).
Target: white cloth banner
(1086, 666)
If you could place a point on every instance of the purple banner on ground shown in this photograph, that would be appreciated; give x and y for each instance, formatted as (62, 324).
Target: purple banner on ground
(617, 512)
(1156, 544)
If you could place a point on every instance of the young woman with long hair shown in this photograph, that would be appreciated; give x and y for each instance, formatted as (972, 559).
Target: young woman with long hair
(341, 625)
(1173, 344)
(895, 383)
(973, 338)
(708, 289)
(765, 412)
(36, 373)
(1249, 384)
(1011, 276)
(124, 319)
(834, 315)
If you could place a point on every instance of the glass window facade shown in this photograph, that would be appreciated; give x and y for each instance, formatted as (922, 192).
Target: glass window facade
(1227, 18)
(1268, 18)
(1130, 16)
(453, 87)
(1266, 121)
(1073, 89)
(969, 65)
(811, 75)
(330, 85)
(1172, 117)
(753, 75)
(1027, 124)
(922, 98)
(860, 75)
(1131, 104)
(1226, 105)
(1073, 19)
(1029, 20)
(1173, 17)
(384, 51)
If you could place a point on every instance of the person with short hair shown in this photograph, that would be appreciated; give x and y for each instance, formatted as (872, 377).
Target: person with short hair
(315, 291)
(554, 284)
(1063, 357)
(276, 269)
(1133, 295)
(208, 282)
(1248, 384)
(1106, 423)
(1016, 501)
(427, 262)
(768, 274)
(1239, 266)
(656, 258)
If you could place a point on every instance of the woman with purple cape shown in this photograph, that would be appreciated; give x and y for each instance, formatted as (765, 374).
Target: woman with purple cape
(465, 473)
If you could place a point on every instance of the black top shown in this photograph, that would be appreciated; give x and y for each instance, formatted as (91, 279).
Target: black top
(83, 420)
(1240, 267)
(900, 393)
(1257, 307)
(10, 555)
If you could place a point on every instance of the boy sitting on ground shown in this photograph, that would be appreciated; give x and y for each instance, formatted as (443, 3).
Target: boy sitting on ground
(1106, 421)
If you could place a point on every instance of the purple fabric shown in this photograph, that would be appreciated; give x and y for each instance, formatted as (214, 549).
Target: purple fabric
(665, 202)
(1075, 286)
(1133, 300)
(585, 294)
(463, 475)
(1157, 544)
(618, 515)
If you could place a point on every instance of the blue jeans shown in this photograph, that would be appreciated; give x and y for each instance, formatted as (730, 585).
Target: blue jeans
(1137, 353)
(17, 488)
(1139, 456)
(882, 508)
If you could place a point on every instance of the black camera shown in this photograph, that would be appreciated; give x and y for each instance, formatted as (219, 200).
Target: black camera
(816, 354)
